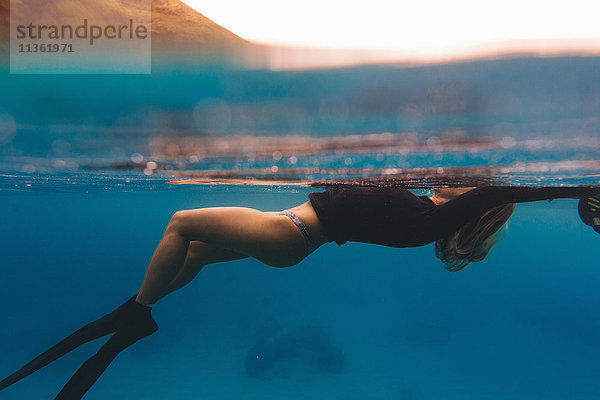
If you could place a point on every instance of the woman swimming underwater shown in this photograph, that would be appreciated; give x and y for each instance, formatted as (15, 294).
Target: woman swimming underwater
(462, 223)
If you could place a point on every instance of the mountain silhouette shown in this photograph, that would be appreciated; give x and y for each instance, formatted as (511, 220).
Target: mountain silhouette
(177, 29)
(174, 22)
(4, 25)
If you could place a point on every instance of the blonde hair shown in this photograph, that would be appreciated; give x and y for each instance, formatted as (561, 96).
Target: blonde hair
(473, 241)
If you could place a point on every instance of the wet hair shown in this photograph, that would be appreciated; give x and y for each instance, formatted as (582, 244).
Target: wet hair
(473, 241)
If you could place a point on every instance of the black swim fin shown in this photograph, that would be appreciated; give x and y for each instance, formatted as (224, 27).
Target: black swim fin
(589, 211)
(132, 321)
(92, 331)
(91, 370)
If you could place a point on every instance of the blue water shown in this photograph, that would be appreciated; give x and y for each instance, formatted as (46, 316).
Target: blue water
(523, 324)
(82, 214)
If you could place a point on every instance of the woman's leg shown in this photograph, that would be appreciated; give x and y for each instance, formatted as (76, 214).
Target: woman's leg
(198, 255)
(271, 238)
(193, 239)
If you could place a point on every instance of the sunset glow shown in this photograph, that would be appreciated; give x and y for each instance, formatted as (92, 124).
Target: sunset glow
(432, 28)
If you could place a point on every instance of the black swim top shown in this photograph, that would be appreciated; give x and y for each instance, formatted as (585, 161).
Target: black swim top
(398, 218)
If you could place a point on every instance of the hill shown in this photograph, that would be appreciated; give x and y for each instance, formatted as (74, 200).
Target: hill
(177, 29)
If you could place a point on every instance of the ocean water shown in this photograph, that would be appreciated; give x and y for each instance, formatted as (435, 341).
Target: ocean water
(386, 323)
(93, 167)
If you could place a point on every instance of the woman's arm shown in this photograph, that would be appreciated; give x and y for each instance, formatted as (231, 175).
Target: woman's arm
(450, 216)
(444, 195)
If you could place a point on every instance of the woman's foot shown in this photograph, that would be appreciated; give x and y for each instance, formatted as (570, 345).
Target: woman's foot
(133, 322)
(134, 317)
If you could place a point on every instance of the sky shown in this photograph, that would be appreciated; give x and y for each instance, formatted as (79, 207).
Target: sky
(417, 26)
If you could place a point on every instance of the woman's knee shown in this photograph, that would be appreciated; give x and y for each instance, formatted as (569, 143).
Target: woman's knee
(178, 222)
